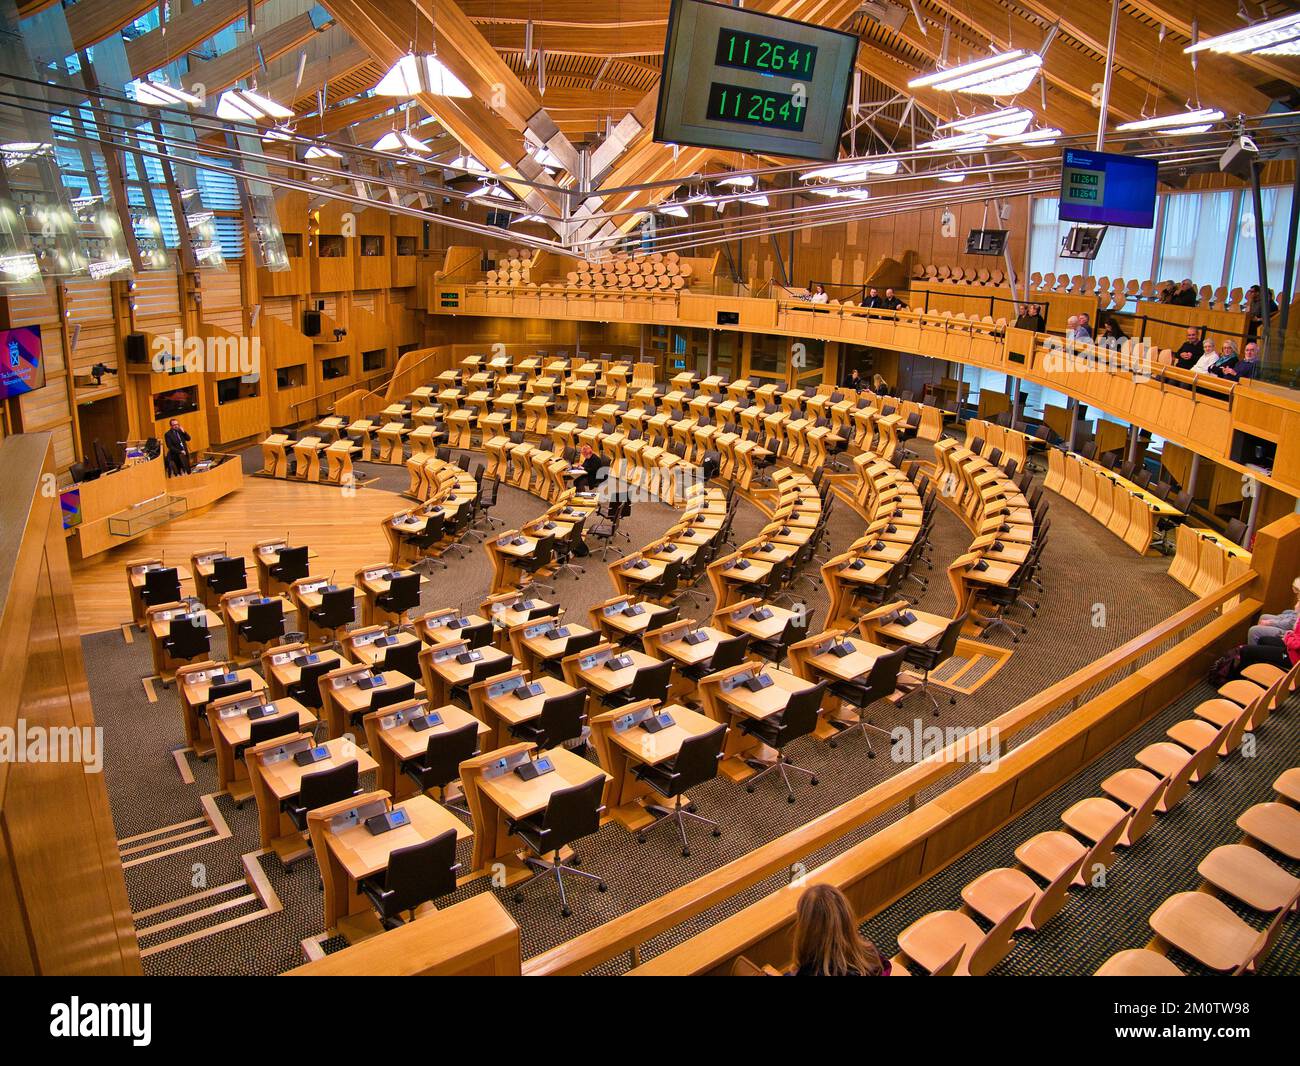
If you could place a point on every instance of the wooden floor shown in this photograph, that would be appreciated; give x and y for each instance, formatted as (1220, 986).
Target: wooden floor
(344, 531)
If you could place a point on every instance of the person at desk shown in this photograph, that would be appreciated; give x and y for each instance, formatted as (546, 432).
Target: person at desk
(826, 940)
(178, 449)
(818, 294)
(595, 468)
(873, 299)
(854, 380)
(892, 302)
(1030, 317)
(1112, 333)
(1192, 349)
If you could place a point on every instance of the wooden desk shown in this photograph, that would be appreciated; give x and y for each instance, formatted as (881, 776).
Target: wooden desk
(441, 677)
(504, 711)
(193, 684)
(231, 728)
(348, 852)
(604, 680)
(725, 698)
(234, 612)
(493, 800)
(158, 622)
(136, 572)
(280, 670)
(393, 742)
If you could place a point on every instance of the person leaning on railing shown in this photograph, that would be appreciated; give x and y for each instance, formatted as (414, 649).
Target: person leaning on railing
(826, 938)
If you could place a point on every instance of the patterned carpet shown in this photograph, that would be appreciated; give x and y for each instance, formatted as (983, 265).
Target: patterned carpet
(1085, 566)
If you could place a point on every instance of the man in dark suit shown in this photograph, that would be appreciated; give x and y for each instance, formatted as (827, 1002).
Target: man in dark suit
(891, 302)
(595, 470)
(178, 449)
(1186, 356)
(1030, 318)
(873, 298)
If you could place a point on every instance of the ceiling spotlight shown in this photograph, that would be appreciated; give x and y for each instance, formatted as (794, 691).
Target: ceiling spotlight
(160, 94)
(1001, 75)
(245, 105)
(1183, 123)
(412, 75)
(1276, 37)
(1008, 122)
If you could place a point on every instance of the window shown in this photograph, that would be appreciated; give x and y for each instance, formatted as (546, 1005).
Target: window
(1194, 237)
(1125, 253)
(1277, 216)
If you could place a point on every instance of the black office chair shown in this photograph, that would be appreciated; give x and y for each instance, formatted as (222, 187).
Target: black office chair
(728, 653)
(433, 534)
(160, 586)
(221, 691)
(416, 874)
(402, 595)
(532, 565)
(799, 719)
(648, 683)
(482, 509)
(265, 622)
(578, 642)
(403, 659)
(477, 636)
(774, 650)
(290, 565)
(567, 548)
(321, 789)
(1235, 531)
(927, 657)
(388, 696)
(562, 719)
(665, 587)
(571, 814)
(695, 763)
(186, 640)
(879, 684)
(306, 690)
(228, 575)
(439, 766)
(481, 672)
(337, 611)
(264, 729)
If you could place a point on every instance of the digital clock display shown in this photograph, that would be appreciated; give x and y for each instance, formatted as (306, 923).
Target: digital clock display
(752, 82)
(755, 107)
(766, 55)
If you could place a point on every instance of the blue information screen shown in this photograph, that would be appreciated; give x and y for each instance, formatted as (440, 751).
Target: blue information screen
(1104, 189)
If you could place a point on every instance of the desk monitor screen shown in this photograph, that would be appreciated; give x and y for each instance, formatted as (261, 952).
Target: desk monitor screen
(21, 368)
(1108, 189)
(70, 505)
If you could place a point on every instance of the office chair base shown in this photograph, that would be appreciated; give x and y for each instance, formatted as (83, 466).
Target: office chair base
(577, 571)
(692, 594)
(545, 868)
(867, 726)
(783, 766)
(676, 814)
(530, 590)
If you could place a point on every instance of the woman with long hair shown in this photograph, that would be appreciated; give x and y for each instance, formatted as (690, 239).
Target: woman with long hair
(826, 939)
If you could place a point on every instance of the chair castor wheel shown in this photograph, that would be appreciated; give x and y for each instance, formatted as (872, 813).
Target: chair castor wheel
(601, 886)
(832, 744)
(691, 807)
(717, 832)
(565, 912)
(686, 853)
(871, 755)
(518, 897)
(575, 861)
(814, 781)
(749, 788)
(789, 799)
(640, 838)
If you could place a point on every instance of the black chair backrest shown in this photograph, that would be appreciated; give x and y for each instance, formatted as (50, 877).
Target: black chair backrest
(403, 658)
(947, 645)
(651, 683)
(291, 564)
(489, 668)
(307, 688)
(697, 759)
(800, 715)
(391, 694)
(730, 652)
(403, 593)
(228, 574)
(337, 608)
(883, 678)
(562, 717)
(265, 621)
(446, 751)
(420, 873)
(282, 725)
(161, 586)
(581, 642)
(796, 628)
(230, 688)
(477, 636)
(1183, 501)
(462, 461)
(488, 497)
(1236, 531)
(185, 640)
(573, 813)
(542, 554)
(667, 617)
(328, 786)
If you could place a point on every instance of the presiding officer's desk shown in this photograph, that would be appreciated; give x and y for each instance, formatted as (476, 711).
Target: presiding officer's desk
(347, 852)
(496, 794)
(393, 741)
(276, 777)
(623, 745)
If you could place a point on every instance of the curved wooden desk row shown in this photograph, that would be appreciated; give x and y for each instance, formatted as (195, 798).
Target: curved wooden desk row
(508, 548)
(895, 524)
(1128, 511)
(1205, 560)
(306, 453)
(701, 523)
(995, 509)
(1012, 443)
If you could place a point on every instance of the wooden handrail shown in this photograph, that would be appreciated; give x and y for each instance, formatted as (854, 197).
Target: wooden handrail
(350, 387)
(629, 931)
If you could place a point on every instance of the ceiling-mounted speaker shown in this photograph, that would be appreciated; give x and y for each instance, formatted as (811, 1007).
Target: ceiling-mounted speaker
(1240, 157)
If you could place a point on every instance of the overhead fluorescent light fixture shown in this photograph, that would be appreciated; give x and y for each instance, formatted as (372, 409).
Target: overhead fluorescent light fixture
(400, 141)
(245, 105)
(412, 75)
(834, 192)
(1179, 125)
(320, 151)
(1008, 122)
(738, 181)
(676, 210)
(852, 172)
(468, 162)
(493, 191)
(1276, 37)
(960, 142)
(952, 177)
(1033, 138)
(160, 94)
(757, 201)
(1001, 75)
(277, 134)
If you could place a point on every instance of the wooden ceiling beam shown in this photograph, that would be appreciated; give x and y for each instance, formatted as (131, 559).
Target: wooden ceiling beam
(318, 74)
(1214, 17)
(91, 23)
(180, 34)
(241, 61)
